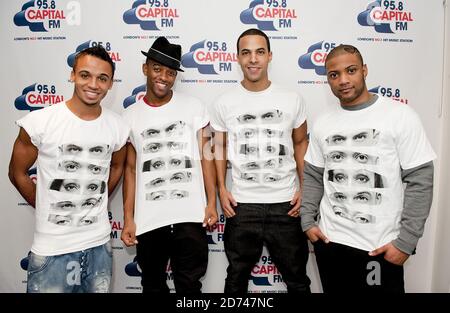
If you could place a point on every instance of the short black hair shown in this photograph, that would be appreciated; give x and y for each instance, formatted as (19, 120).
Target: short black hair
(344, 49)
(253, 31)
(98, 52)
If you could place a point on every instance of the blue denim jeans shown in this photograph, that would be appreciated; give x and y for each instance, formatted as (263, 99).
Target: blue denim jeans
(77, 272)
(255, 224)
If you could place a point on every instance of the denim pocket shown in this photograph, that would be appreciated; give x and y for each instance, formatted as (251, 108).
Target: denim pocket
(38, 263)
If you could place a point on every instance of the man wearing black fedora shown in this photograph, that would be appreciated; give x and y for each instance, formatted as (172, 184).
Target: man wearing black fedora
(169, 187)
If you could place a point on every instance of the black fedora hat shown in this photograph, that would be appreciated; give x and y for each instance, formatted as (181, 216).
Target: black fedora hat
(162, 51)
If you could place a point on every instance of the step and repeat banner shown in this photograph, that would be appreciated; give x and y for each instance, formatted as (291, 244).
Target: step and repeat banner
(401, 42)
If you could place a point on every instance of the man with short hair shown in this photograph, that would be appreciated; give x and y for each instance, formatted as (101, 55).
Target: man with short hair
(364, 225)
(80, 148)
(166, 174)
(261, 128)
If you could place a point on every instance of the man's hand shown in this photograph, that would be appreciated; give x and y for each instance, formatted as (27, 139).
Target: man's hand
(391, 254)
(227, 202)
(129, 234)
(296, 201)
(314, 234)
(211, 216)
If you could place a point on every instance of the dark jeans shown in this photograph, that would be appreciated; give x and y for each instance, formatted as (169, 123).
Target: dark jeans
(350, 270)
(186, 245)
(255, 224)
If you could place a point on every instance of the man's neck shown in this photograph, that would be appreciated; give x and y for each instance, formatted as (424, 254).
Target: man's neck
(256, 86)
(84, 111)
(154, 101)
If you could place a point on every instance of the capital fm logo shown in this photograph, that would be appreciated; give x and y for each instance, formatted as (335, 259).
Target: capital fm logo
(270, 15)
(152, 14)
(32, 173)
(137, 94)
(314, 58)
(115, 55)
(25, 261)
(46, 15)
(37, 96)
(390, 92)
(265, 273)
(116, 226)
(132, 269)
(215, 235)
(209, 57)
(386, 16)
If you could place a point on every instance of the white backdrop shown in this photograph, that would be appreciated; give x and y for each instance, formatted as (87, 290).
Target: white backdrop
(401, 41)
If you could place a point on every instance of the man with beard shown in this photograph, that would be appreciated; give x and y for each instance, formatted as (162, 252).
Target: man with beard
(364, 230)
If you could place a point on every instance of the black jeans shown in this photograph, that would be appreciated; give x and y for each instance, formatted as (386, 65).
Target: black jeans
(255, 224)
(350, 270)
(186, 245)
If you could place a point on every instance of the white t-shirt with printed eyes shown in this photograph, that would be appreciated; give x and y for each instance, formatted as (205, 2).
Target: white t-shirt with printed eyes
(259, 129)
(363, 152)
(169, 177)
(73, 165)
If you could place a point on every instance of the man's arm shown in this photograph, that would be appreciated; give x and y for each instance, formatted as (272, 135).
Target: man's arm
(209, 176)
(312, 195)
(418, 196)
(300, 142)
(220, 160)
(116, 168)
(23, 157)
(129, 189)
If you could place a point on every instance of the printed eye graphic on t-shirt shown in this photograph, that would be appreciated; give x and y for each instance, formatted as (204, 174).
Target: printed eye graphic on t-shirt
(249, 133)
(357, 178)
(267, 149)
(265, 164)
(256, 177)
(175, 178)
(154, 147)
(356, 217)
(166, 195)
(363, 137)
(346, 156)
(169, 163)
(72, 166)
(176, 128)
(80, 187)
(362, 197)
(72, 220)
(85, 204)
(96, 151)
(266, 117)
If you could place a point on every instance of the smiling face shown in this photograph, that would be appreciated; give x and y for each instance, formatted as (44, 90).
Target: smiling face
(254, 58)
(160, 80)
(346, 77)
(92, 77)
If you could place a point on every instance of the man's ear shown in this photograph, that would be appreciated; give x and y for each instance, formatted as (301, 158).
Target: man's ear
(144, 68)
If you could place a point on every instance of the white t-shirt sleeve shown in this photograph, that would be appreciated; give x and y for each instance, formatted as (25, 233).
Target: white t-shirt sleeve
(217, 115)
(314, 154)
(123, 134)
(204, 116)
(33, 124)
(127, 119)
(413, 146)
(300, 116)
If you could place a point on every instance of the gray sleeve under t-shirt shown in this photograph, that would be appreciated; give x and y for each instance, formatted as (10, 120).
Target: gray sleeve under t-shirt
(418, 196)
